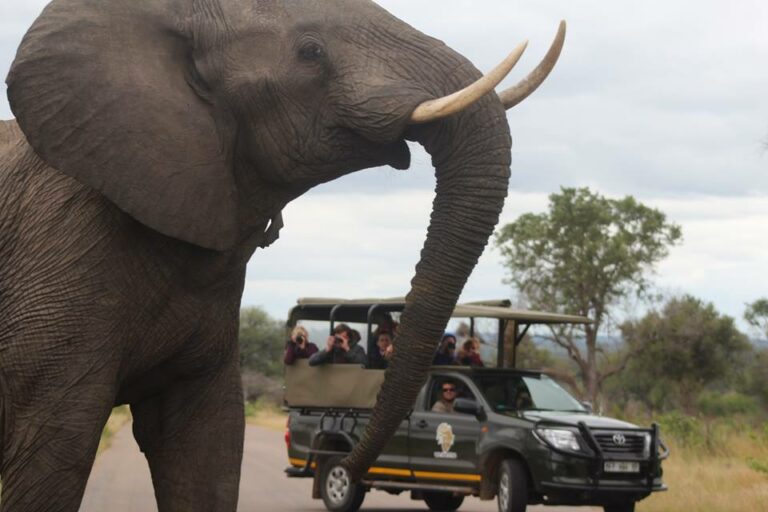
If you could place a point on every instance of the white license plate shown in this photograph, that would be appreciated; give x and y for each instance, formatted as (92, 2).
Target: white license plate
(621, 467)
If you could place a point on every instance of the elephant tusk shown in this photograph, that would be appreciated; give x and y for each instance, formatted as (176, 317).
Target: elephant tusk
(458, 101)
(517, 93)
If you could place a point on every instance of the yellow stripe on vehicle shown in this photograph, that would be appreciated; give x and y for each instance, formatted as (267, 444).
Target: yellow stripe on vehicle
(390, 471)
(446, 476)
(404, 472)
(300, 463)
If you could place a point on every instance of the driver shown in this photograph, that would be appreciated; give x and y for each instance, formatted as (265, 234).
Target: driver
(448, 393)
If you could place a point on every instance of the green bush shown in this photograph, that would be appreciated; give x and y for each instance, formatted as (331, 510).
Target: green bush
(257, 386)
(760, 466)
(726, 404)
(252, 408)
(685, 430)
(262, 341)
(700, 435)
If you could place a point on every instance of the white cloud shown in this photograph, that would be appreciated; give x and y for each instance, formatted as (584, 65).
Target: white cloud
(725, 250)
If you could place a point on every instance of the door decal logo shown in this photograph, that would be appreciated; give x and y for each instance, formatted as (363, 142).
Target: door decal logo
(445, 440)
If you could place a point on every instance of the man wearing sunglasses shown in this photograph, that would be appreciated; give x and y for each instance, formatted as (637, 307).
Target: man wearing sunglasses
(448, 393)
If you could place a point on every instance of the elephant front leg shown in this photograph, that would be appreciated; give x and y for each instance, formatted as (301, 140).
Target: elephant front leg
(192, 435)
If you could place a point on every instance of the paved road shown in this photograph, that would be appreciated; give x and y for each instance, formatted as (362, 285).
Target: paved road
(120, 482)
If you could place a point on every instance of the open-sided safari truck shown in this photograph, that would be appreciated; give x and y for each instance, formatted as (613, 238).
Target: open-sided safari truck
(513, 434)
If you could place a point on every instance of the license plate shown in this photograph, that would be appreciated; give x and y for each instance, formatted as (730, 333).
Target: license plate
(621, 467)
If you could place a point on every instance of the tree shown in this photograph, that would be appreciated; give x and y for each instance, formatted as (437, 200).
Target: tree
(262, 340)
(756, 376)
(683, 349)
(584, 256)
(757, 315)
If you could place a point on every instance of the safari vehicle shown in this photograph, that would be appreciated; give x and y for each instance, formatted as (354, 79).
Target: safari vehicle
(514, 434)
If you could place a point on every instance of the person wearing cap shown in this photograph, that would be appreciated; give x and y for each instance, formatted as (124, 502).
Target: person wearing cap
(446, 350)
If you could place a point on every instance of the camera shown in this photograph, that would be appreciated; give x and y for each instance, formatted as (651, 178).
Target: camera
(300, 339)
(337, 340)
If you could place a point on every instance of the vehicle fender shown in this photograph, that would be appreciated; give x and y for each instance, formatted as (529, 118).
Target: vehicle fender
(490, 462)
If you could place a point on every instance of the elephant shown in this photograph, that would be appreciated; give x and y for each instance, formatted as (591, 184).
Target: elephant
(154, 146)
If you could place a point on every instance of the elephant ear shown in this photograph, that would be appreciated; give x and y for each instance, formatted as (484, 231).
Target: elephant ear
(100, 89)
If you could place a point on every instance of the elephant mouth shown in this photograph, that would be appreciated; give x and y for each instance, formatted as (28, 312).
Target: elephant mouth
(398, 155)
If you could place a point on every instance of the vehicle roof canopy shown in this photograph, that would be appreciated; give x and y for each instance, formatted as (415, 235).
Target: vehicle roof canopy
(361, 310)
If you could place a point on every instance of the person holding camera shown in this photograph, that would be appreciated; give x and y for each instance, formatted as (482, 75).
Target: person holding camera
(340, 349)
(299, 346)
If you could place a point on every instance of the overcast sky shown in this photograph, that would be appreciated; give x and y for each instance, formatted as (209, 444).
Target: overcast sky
(661, 100)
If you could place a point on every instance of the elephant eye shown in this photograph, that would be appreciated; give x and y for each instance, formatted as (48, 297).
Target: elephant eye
(311, 51)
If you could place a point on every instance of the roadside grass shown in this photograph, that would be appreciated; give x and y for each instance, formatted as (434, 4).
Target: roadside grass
(119, 417)
(265, 413)
(715, 466)
(262, 413)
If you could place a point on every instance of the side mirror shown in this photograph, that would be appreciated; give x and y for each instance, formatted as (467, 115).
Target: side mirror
(587, 406)
(468, 406)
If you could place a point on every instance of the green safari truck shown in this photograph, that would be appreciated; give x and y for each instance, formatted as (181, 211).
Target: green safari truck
(514, 435)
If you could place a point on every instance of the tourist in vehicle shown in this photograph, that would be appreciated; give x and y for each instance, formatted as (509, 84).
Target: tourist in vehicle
(469, 355)
(383, 352)
(446, 352)
(340, 349)
(448, 393)
(389, 325)
(299, 346)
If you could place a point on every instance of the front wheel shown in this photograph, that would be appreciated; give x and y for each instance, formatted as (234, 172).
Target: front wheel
(624, 507)
(339, 492)
(443, 501)
(512, 494)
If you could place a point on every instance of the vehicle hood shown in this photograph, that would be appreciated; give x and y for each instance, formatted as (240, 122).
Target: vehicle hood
(573, 419)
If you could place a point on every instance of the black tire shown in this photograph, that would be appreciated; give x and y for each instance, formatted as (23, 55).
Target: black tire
(624, 507)
(512, 491)
(442, 501)
(339, 492)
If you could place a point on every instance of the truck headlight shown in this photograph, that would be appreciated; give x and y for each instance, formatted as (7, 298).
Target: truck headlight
(560, 439)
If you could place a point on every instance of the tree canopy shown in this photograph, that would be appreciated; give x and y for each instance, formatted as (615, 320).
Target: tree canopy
(683, 349)
(583, 256)
(262, 340)
(757, 315)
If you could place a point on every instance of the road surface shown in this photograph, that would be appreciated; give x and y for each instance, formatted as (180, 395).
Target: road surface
(120, 482)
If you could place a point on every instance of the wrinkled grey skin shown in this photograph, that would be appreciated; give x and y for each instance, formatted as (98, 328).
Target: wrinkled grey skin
(160, 138)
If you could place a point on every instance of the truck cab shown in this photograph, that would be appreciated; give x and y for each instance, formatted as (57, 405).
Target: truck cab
(500, 432)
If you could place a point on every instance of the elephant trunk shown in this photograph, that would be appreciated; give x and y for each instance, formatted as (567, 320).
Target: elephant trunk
(471, 155)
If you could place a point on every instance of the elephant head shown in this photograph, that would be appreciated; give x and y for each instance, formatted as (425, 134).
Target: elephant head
(201, 119)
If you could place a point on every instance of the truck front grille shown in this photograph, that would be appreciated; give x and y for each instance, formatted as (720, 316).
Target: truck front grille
(625, 443)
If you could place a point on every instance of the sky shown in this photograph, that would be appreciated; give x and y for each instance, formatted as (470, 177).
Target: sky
(661, 100)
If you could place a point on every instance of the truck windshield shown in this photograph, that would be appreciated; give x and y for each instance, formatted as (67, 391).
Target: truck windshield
(526, 392)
